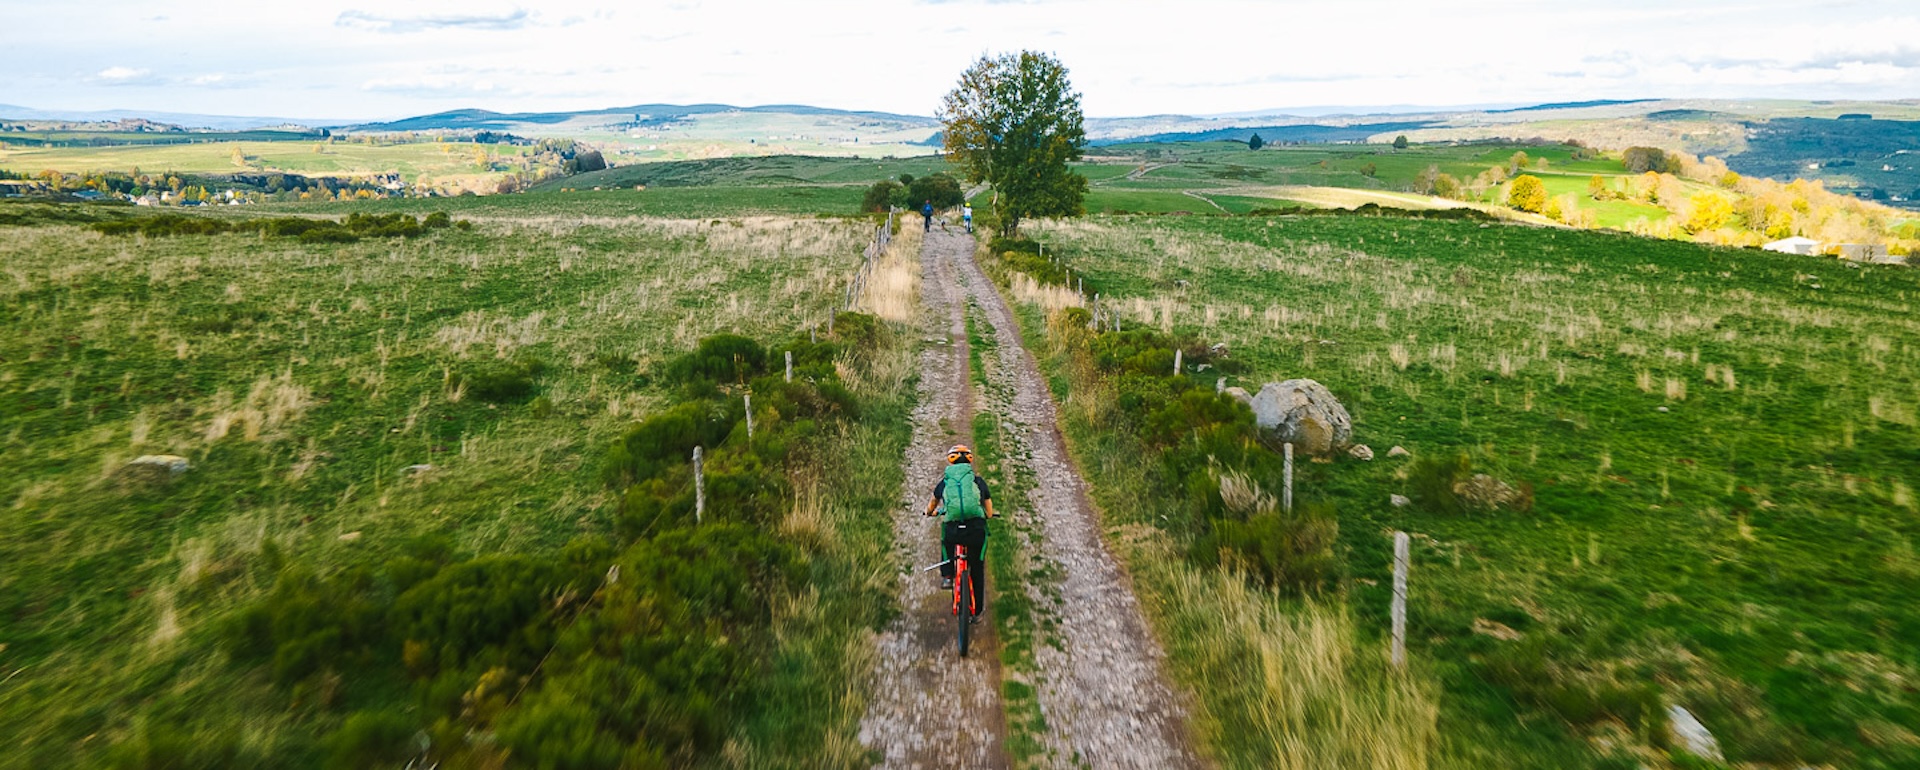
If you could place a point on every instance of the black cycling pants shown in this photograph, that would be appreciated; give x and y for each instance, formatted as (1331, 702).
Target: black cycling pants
(971, 533)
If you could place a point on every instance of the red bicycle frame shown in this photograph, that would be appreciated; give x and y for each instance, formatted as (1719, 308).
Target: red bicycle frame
(960, 578)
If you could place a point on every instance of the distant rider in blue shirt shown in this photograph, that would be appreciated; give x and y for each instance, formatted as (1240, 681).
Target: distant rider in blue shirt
(927, 212)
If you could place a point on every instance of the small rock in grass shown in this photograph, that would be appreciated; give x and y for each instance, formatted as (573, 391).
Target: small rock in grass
(172, 465)
(1399, 501)
(1691, 735)
(350, 536)
(415, 470)
(1399, 451)
(151, 470)
(1662, 409)
(1361, 452)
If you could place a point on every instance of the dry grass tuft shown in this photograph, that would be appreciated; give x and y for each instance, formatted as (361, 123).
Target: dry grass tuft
(1244, 496)
(893, 290)
(1313, 697)
(1051, 298)
(273, 402)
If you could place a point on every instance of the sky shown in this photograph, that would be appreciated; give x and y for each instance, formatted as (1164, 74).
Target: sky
(360, 59)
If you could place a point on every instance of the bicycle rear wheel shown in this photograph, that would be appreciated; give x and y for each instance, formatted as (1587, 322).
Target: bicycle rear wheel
(965, 615)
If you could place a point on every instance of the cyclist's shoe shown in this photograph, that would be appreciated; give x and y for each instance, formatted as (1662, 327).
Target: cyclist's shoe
(973, 619)
(946, 584)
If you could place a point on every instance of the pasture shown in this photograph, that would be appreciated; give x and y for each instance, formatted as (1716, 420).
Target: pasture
(310, 157)
(1713, 453)
(342, 407)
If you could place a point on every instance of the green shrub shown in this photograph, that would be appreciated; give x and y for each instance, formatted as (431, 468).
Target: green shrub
(170, 747)
(500, 610)
(666, 438)
(879, 196)
(858, 332)
(939, 187)
(1291, 553)
(372, 739)
(721, 359)
(1023, 255)
(307, 624)
(692, 612)
(383, 225)
(1431, 480)
(437, 220)
(556, 733)
(501, 381)
(328, 235)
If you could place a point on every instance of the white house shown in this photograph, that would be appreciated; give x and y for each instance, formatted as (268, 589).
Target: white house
(1794, 245)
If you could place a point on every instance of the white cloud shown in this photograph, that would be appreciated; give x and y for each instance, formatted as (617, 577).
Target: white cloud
(122, 74)
(515, 19)
(358, 58)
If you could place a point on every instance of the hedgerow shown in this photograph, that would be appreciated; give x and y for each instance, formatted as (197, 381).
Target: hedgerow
(1201, 441)
(352, 228)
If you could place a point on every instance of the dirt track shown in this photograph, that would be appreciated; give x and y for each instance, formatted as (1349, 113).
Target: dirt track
(925, 696)
(1101, 682)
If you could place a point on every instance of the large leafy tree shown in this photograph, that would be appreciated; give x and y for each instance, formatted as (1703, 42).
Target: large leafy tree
(1014, 121)
(1527, 193)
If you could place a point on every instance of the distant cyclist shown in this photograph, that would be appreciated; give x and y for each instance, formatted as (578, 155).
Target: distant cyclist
(966, 215)
(964, 505)
(926, 211)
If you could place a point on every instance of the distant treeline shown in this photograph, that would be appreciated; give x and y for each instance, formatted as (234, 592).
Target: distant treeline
(353, 228)
(192, 186)
(139, 138)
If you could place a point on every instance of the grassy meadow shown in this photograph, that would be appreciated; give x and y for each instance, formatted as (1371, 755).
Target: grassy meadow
(350, 407)
(693, 203)
(1713, 453)
(1228, 169)
(309, 157)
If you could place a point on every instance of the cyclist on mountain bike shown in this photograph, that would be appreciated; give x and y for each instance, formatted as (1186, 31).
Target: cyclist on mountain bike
(964, 503)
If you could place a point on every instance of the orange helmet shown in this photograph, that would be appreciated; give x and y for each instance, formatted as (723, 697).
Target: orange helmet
(959, 454)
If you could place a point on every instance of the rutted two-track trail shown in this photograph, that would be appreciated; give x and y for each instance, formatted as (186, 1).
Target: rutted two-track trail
(1100, 681)
(931, 708)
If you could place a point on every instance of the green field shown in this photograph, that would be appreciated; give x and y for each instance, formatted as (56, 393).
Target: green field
(1719, 446)
(412, 160)
(755, 172)
(309, 384)
(1716, 448)
(673, 202)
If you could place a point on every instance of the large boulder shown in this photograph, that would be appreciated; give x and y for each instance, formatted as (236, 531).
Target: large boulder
(1304, 413)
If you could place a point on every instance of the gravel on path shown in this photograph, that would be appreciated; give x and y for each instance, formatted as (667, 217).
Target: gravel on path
(930, 707)
(1103, 687)
(1102, 683)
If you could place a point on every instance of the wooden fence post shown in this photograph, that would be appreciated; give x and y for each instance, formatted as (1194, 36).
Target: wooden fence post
(1402, 547)
(749, 398)
(1178, 354)
(789, 366)
(699, 488)
(1286, 499)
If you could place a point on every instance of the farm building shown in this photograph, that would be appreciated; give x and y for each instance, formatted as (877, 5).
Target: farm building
(1794, 245)
(1875, 253)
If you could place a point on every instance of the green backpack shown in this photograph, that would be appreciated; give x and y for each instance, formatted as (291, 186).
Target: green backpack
(960, 496)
